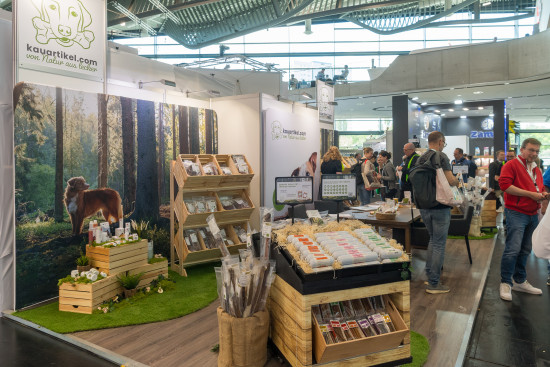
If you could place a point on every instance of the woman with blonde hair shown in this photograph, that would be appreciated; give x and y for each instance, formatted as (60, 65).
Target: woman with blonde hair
(332, 161)
(366, 167)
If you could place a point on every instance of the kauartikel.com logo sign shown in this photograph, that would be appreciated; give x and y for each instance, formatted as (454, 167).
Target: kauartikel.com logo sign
(65, 21)
(279, 132)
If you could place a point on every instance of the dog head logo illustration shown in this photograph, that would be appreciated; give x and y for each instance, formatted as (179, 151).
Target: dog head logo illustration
(276, 130)
(64, 21)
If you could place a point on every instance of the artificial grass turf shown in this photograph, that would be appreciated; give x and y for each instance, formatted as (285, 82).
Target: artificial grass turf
(420, 348)
(485, 234)
(189, 295)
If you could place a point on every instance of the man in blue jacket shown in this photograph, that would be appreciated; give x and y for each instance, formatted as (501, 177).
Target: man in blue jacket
(460, 160)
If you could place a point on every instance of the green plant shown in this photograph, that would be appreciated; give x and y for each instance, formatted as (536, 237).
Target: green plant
(128, 281)
(140, 227)
(82, 260)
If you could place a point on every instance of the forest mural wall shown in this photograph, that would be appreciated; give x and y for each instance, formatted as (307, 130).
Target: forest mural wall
(112, 142)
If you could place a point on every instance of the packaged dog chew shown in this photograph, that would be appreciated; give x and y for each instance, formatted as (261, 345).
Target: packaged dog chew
(240, 162)
(241, 233)
(211, 205)
(191, 168)
(358, 308)
(355, 330)
(388, 321)
(316, 311)
(210, 169)
(336, 310)
(325, 311)
(226, 170)
(347, 332)
(367, 328)
(194, 243)
(337, 331)
(200, 205)
(380, 323)
(347, 309)
(327, 333)
(367, 305)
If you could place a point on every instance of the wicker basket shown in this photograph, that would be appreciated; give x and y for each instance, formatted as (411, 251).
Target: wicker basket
(385, 216)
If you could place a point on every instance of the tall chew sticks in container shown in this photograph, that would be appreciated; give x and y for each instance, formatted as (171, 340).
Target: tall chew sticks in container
(266, 218)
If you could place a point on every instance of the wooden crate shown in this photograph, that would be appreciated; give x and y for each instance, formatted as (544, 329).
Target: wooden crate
(236, 179)
(489, 213)
(193, 182)
(292, 325)
(367, 345)
(84, 298)
(117, 259)
(195, 219)
(235, 214)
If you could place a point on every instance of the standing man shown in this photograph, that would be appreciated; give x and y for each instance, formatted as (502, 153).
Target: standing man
(437, 218)
(408, 161)
(494, 175)
(522, 183)
(460, 160)
(356, 170)
(510, 154)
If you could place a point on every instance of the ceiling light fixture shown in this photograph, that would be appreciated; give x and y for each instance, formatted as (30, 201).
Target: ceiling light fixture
(458, 101)
(478, 92)
(437, 111)
(480, 108)
(414, 98)
(451, 110)
(211, 92)
(465, 109)
(487, 3)
(463, 116)
(424, 103)
(168, 83)
(306, 95)
(491, 115)
(442, 115)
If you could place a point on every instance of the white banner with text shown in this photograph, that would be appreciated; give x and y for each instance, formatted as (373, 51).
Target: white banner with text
(62, 37)
(291, 149)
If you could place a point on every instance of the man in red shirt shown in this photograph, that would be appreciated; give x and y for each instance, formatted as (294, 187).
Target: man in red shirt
(522, 183)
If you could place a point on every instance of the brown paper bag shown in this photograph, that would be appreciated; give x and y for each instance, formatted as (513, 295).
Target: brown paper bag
(475, 227)
(243, 341)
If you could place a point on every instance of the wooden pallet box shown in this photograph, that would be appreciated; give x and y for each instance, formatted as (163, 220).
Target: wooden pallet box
(85, 298)
(117, 259)
(292, 326)
(489, 213)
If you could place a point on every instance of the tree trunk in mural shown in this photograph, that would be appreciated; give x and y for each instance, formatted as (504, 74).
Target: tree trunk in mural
(102, 168)
(209, 132)
(147, 199)
(128, 154)
(161, 152)
(194, 132)
(184, 129)
(59, 182)
(215, 132)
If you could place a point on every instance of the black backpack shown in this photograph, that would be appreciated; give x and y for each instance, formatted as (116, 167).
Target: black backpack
(422, 179)
(356, 170)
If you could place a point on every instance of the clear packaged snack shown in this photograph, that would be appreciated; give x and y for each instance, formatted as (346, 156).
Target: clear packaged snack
(190, 205)
(193, 244)
(200, 204)
(347, 309)
(355, 330)
(316, 311)
(325, 311)
(210, 169)
(241, 233)
(191, 168)
(241, 164)
(336, 310)
(240, 203)
(226, 170)
(327, 334)
(211, 205)
(227, 203)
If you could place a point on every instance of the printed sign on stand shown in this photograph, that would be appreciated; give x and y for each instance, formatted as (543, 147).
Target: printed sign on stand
(62, 37)
(338, 187)
(293, 190)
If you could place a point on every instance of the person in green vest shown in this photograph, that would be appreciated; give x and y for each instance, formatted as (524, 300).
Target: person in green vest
(494, 175)
(409, 160)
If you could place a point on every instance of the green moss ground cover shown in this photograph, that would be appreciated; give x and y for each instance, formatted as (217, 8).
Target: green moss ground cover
(188, 295)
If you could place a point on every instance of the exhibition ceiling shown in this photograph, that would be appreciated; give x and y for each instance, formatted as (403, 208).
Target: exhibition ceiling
(199, 23)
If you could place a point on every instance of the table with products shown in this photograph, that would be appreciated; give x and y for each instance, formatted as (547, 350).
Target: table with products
(401, 225)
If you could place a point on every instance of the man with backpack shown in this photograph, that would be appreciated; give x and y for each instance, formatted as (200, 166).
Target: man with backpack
(436, 216)
(409, 160)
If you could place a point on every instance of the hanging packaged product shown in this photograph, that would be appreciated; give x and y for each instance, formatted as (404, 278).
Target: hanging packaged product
(211, 220)
(192, 168)
(266, 218)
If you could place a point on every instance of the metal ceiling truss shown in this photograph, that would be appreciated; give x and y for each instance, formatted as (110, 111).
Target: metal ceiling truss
(234, 59)
(200, 23)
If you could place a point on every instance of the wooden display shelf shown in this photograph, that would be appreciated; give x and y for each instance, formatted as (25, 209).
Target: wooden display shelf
(184, 186)
(292, 325)
(489, 213)
(85, 298)
(117, 259)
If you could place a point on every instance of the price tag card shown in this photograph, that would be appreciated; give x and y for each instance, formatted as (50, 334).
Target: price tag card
(338, 187)
(460, 169)
(293, 190)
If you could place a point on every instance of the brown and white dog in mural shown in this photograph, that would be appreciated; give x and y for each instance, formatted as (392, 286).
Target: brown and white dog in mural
(82, 203)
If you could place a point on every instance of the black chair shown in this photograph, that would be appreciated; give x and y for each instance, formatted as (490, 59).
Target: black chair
(460, 226)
